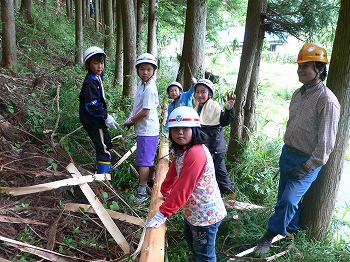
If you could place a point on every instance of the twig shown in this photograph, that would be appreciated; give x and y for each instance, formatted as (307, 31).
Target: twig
(58, 113)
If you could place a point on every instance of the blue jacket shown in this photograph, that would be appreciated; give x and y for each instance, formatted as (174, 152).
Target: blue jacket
(92, 106)
(185, 100)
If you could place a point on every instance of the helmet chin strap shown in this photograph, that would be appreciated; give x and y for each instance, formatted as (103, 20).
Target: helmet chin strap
(318, 73)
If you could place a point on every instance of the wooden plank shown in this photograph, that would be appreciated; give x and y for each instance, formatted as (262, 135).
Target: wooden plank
(101, 211)
(18, 191)
(251, 250)
(116, 215)
(41, 252)
(126, 155)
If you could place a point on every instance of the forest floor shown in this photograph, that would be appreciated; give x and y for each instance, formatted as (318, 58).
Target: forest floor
(41, 219)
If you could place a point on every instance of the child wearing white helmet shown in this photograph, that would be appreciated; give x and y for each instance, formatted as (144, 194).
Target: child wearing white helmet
(191, 184)
(180, 98)
(213, 119)
(144, 118)
(93, 112)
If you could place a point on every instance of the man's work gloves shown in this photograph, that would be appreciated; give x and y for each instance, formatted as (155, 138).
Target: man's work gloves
(110, 122)
(230, 101)
(298, 172)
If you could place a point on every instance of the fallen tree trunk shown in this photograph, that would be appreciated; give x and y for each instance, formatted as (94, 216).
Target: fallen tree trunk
(153, 247)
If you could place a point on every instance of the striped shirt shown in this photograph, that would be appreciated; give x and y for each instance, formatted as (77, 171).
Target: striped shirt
(313, 123)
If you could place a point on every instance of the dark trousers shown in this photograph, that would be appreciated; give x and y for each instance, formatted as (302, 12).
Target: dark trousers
(102, 142)
(222, 177)
(202, 240)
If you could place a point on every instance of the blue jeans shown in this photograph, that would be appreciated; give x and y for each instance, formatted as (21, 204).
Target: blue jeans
(202, 240)
(290, 193)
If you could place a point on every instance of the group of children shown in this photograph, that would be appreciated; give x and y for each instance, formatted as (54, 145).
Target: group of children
(197, 177)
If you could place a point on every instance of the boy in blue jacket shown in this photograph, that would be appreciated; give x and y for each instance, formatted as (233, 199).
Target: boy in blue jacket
(180, 98)
(93, 112)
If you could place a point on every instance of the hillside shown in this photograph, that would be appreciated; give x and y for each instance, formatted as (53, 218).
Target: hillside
(31, 126)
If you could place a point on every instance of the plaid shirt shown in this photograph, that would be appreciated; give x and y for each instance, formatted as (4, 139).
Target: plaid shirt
(313, 123)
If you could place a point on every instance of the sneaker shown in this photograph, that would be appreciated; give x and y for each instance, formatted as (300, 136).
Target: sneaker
(265, 242)
(140, 198)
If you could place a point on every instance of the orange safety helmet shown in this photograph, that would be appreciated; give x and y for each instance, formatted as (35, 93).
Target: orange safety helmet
(311, 52)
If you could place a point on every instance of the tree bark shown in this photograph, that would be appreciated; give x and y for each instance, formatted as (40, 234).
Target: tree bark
(129, 39)
(16, 4)
(252, 95)
(247, 75)
(78, 32)
(152, 45)
(108, 26)
(83, 15)
(118, 73)
(69, 8)
(193, 52)
(9, 48)
(97, 15)
(319, 202)
(140, 24)
(27, 11)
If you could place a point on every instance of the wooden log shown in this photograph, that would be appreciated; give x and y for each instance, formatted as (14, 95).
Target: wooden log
(153, 247)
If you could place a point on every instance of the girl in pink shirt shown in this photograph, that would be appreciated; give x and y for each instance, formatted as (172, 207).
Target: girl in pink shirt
(191, 184)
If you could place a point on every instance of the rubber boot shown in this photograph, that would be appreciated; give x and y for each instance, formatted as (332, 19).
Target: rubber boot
(103, 167)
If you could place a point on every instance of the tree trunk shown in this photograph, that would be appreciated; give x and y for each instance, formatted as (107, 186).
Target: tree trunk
(108, 26)
(97, 15)
(140, 26)
(193, 52)
(87, 10)
(250, 105)
(69, 8)
(83, 15)
(252, 48)
(16, 4)
(129, 38)
(319, 202)
(153, 246)
(27, 11)
(9, 49)
(118, 73)
(78, 32)
(152, 45)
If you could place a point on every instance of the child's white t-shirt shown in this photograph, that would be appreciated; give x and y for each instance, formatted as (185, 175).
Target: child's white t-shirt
(146, 97)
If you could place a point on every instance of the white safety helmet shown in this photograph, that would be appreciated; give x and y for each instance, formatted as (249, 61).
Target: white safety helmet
(146, 58)
(207, 83)
(183, 116)
(174, 84)
(93, 50)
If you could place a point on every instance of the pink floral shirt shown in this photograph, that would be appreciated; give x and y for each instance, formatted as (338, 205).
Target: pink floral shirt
(191, 184)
